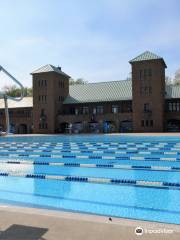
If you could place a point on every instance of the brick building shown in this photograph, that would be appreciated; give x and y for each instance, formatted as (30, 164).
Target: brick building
(142, 104)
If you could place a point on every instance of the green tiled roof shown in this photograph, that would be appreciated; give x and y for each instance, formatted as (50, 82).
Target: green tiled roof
(100, 92)
(172, 91)
(96, 92)
(50, 68)
(146, 56)
(109, 91)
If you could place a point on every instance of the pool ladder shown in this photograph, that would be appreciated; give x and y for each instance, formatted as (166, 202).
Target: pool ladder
(6, 97)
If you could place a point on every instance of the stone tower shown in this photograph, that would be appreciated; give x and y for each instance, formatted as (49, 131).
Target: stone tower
(50, 88)
(148, 92)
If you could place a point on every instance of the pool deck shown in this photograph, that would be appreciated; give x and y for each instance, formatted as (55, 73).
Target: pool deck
(18, 223)
(172, 134)
(158, 134)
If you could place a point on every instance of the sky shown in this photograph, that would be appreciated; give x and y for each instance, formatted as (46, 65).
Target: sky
(93, 40)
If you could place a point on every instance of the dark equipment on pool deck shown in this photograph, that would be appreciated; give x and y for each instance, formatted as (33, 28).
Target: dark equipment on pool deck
(6, 97)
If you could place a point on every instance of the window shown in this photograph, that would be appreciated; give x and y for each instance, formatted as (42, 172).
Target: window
(145, 82)
(114, 109)
(85, 110)
(99, 109)
(43, 117)
(28, 114)
(60, 98)
(151, 123)
(42, 98)
(61, 84)
(173, 106)
(146, 90)
(42, 83)
(146, 107)
(170, 106)
(146, 123)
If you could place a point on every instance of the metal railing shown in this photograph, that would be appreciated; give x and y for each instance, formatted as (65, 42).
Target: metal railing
(6, 97)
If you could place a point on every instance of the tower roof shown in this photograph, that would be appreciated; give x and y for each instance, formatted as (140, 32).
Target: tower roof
(49, 68)
(146, 56)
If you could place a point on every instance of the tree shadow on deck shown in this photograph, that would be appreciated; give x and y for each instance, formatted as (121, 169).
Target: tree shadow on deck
(21, 232)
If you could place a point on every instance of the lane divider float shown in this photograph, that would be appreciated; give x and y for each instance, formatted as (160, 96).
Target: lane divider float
(135, 158)
(91, 165)
(127, 182)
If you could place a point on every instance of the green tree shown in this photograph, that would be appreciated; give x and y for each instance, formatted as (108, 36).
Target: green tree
(13, 91)
(77, 81)
(168, 80)
(176, 80)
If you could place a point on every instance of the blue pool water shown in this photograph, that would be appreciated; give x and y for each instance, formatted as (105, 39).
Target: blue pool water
(27, 162)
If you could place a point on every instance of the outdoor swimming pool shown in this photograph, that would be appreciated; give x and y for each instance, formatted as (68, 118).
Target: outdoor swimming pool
(120, 176)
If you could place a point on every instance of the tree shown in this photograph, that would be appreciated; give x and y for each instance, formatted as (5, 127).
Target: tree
(29, 92)
(77, 81)
(168, 80)
(176, 80)
(13, 91)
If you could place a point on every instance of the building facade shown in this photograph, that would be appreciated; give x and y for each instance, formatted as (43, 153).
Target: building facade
(143, 103)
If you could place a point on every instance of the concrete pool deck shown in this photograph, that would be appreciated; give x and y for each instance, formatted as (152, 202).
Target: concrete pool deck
(18, 223)
(153, 134)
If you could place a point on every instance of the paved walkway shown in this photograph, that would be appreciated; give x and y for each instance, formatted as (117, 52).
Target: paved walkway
(17, 223)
